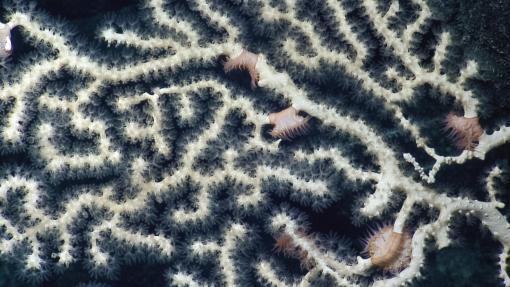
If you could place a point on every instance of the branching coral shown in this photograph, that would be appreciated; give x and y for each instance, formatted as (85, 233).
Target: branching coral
(154, 143)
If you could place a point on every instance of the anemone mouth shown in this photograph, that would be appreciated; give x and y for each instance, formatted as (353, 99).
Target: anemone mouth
(246, 61)
(389, 250)
(288, 124)
(465, 132)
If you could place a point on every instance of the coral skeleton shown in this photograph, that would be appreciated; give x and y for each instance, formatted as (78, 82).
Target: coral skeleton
(131, 144)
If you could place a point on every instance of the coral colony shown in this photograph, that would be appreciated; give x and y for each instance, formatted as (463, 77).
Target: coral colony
(130, 153)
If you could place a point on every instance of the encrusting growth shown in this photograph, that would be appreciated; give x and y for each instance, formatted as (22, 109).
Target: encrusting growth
(288, 124)
(245, 61)
(389, 250)
(464, 131)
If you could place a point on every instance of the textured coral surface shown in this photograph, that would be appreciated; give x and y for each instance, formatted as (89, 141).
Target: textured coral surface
(254, 143)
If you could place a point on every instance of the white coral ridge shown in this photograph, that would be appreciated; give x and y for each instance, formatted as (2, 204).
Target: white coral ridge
(192, 47)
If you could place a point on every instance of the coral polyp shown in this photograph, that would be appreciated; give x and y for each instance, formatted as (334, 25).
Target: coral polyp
(288, 124)
(465, 132)
(388, 249)
(285, 244)
(246, 61)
